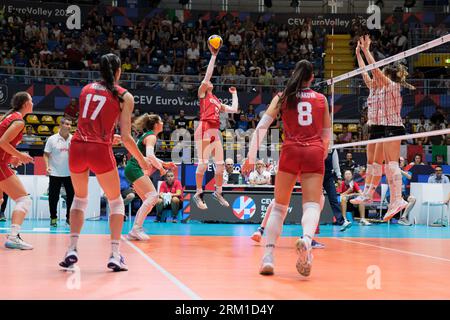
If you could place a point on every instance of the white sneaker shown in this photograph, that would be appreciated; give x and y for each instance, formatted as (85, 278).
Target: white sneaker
(17, 243)
(70, 259)
(256, 236)
(364, 222)
(267, 265)
(198, 199)
(305, 257)
(138, 233)
(219, 197)
(346, 225)
(396, 207)
(361, 199)
(117, 263)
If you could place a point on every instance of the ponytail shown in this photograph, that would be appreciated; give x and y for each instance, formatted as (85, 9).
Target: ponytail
(109, 64)
(146, 122)
(17, 102)
(302, 73)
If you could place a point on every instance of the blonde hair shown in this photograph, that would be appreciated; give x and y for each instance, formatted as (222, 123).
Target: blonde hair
(146, 122)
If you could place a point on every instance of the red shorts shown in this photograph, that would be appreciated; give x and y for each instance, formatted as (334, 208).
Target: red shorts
(207, 130)
(5, 171)
(97, 157)
(298, 158)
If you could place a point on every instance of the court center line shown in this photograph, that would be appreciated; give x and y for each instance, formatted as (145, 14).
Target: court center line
(166, 273)
(394, 250)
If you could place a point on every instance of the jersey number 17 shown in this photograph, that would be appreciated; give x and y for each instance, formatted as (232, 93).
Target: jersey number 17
(95, 98)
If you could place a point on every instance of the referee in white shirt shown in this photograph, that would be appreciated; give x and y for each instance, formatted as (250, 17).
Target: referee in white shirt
(56, 157)
(260, 175)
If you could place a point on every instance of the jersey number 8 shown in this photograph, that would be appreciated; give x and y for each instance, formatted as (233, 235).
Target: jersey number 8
(97, 98)
(304, 113)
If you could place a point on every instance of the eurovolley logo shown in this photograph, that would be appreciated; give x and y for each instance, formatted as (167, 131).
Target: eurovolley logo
(244, 207)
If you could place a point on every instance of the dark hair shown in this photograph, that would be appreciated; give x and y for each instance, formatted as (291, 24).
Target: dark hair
(109, 64)
(394, 72)
(17, 102)
(146, 122)
(302, 73)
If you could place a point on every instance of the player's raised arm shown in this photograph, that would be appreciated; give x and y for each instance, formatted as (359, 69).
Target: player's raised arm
(367, 79)
(261, 130)
(378, 75)
(234, 103)
(209, 71)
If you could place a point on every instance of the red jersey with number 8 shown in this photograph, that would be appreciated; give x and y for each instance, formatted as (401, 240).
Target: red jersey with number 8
(210, 108)
(304, 122)
(99, 113)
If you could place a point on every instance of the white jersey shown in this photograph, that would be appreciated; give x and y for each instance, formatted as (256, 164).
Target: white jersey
(384, 106)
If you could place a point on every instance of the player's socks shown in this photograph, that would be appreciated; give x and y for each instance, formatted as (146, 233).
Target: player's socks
(274, 226)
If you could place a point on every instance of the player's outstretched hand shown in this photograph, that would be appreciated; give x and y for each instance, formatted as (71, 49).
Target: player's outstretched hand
(232, 90)
(162, 172)
(146, 165)
(25, 158)
(247, 167)
(213, 50)
(15, 162)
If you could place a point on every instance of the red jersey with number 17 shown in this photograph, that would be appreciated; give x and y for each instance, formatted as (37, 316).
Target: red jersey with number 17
(99, 112)
(210, 108)
(304, 122)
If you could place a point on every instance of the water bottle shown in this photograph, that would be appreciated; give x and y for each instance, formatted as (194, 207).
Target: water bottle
(240, 179)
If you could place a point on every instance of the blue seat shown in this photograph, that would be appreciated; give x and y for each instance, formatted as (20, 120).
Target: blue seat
(159, 54)
(155, 62)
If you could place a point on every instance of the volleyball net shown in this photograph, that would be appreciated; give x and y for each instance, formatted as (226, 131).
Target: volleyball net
(424, 100)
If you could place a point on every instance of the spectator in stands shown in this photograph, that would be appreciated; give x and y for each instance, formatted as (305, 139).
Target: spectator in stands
(8, 63)
(170, 196)
(439, 160)
(193, 54)
(29, 137)
(242, 123)
(164, 68)
(56, 157)
(400, 42)
(72, 110)
(259, 176)
(181, 122)
(345, 136)
(438, 176)
(348, 163)
(35, 64)
(417, 160)
(349, 190)
(438, 118)
(251, 116)
(168, 126)
(406, 177)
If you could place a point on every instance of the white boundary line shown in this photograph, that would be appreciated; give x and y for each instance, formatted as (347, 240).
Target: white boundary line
(394, 250)
(390, 139)
(166, 273)
(398, 56)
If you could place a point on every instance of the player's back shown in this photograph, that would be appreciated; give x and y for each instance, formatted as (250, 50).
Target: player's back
(99, 112)
(303, 120)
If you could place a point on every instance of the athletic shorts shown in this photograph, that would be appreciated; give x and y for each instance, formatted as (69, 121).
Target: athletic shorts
(97, 157)
(298, 158)
(133, 171)
(207, 130)
(5, 171)
(377, 132)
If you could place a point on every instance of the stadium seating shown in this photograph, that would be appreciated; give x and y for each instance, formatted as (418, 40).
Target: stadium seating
(43, 130)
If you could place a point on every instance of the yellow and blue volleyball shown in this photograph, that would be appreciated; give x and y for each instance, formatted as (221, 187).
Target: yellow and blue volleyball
(215, 41)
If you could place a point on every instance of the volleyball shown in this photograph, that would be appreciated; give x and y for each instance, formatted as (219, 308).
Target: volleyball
(215, 41)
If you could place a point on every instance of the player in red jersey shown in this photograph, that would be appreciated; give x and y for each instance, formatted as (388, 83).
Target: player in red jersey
(11, 128)
(306, 122)
(207, 134)
(102, 104)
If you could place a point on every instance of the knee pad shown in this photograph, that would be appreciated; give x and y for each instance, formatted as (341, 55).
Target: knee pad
(394, 167)
(220, 168)
(201, 168)
(79, 204)
(152, 198)
(23, 204)
(377, 169)
(116, 206)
